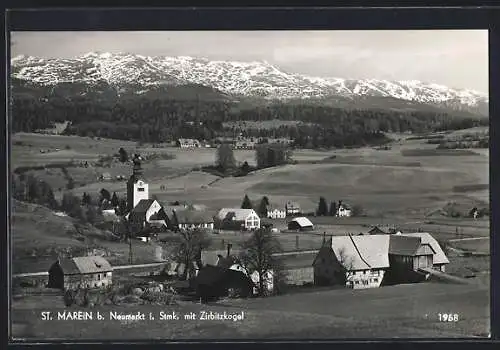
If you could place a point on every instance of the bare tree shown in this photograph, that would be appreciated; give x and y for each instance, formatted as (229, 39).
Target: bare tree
(188, 250)
(345, 260)
(258, 254)
(225, 158)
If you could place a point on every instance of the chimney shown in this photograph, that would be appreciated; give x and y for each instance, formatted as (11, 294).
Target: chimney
(229, 249)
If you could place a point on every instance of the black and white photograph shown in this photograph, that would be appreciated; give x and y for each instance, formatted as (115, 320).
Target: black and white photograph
(271, 184)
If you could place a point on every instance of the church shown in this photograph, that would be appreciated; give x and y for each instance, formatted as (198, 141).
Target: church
(141, 209)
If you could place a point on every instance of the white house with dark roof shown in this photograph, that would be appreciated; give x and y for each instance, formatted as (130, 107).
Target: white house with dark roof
(80, 272)
(237, 219)
(276, 213)
(188, 143)
(191, 218)
(143, 212)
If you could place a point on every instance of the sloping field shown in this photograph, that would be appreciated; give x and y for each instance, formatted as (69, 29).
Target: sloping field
(400, 311)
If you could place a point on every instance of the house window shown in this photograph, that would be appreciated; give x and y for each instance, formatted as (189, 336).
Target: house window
(364, 272)
(375, 280)
(365, 282)
(140, 189)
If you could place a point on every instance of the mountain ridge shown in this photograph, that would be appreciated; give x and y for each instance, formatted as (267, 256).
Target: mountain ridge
(138, 73)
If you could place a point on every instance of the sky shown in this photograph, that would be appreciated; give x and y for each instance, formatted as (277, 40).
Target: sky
(455, 58)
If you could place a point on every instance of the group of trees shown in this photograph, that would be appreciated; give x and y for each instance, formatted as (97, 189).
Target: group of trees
(258, 253)
(324, 210)
(260, 209)
(28, 188)
(160, 117)
(269, 155)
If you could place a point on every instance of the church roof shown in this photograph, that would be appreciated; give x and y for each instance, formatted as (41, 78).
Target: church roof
(143, 206)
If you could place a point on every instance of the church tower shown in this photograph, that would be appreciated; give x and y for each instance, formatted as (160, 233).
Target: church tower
(137, 188)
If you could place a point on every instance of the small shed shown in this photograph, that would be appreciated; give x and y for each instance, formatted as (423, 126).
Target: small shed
(301, 224)
(80, 272)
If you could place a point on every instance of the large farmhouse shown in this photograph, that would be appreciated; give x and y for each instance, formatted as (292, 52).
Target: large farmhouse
(353, 261)
(80, 272)
(237, 219)
(367, 261)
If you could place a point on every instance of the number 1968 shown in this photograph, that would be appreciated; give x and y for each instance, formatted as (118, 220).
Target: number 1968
(448, 317)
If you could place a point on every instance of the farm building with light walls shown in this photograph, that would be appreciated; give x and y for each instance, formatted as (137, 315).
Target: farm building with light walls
(191, 219)
(367, 261)
(80, 272)
(276, 213)
(188, 143)
(236, 218)
(344, 210)
(301, 224)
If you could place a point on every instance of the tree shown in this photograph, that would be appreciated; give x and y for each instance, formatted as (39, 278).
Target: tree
(225, 158)
(187, 250)
(122, 207)
(105, 195)
(333, 209)
(114, 200)
(123, 155)
(262, 210)
(322, 207)
(258, 254)
(357, 210)
(71, 205)
(86, 199)
(247, 204)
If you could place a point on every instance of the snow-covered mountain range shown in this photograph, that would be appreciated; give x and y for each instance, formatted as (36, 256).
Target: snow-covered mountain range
(253, 79)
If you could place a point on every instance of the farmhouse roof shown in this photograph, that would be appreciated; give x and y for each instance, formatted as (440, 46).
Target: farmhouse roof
(362, 252)
(236, 213)
(376, 231)
(404, 245)
(303, 221)
(85, 265)
(191, 216)
(426, 238)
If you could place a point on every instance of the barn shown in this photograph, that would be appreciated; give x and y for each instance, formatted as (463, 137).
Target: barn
(80, 272)
(301, 224)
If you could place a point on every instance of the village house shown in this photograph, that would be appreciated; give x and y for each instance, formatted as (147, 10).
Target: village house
(191, 219)
(292, 208)
(276, 213)
(188, 143)
(343, 210)
(353, 261)
(244, 144)
(301, 224)
(237, 219)
(80, 272)
(367, 261)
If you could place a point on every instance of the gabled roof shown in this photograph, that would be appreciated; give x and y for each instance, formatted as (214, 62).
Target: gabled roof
(299, 260)
(210, 257)
(376, 231)
(236, 213)
(85, 265)
(426, 238)
(143, 206)
(190, 216)
(303, 221)
(362, 252)
(404, 245)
